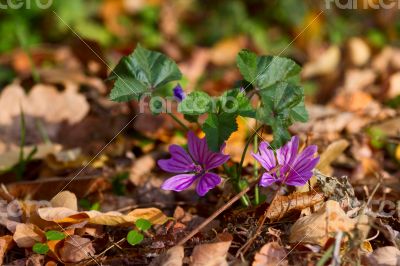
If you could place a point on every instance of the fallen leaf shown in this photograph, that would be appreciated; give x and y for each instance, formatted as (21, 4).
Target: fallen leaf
(6, 243)
(65, 199)
(26, 235)
(358, 79)
(394, 86)
(65, 215)
(282, 205)
(331, 153)
(76, 249)
(271, 254)
(324, 64)
(384, 256)
(173, 257)
(11, 158)
(318, 227)
(213, 254)
(359, 51)
(225, 51)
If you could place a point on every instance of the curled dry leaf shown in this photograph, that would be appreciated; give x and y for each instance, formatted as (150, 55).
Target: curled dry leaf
(65, 215)
(385, 256)
(26, 235)
(271, 254)
(282, 205)
(213, 254)
(318, 227)
(173, 257)
(332, 152)
(76, 249)
(65, 199)
(5, 245)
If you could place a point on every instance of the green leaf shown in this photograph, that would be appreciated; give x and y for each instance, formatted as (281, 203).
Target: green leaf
(264, 71)
(218, 128)
(134, 237)
(40, 248)
(143, 224)
(55, 235)
(191, 118)
(282, 104)
(196, 103)
(236, 101)
(142, 72)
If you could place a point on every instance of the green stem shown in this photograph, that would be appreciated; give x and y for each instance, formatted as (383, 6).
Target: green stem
(256, 188)
(179, 121)
(245, 150)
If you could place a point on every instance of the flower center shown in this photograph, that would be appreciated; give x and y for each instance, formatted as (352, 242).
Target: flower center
(198, 168)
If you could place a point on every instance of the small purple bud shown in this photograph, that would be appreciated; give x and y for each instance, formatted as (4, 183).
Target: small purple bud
(179, 93)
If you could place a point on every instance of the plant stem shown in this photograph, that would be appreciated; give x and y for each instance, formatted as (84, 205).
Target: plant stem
(245, 151)
(179, 121)
(256, 188)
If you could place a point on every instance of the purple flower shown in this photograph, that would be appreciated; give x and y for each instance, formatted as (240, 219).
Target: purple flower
(179, 93)
(193, 166)
(289, 166)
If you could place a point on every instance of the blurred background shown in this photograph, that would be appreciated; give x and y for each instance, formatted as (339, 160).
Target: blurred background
(55, 57)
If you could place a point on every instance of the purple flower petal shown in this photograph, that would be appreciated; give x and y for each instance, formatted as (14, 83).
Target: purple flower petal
(265, 156)
(180, 161)
(287, 154)
(179, 182)
(179, 93)
(301, 171)
(207, 181)
(267, 180)
(197, 148)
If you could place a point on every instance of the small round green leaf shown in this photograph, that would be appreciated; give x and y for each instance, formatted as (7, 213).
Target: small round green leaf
(40, 248)
(134, 237)
(55, 235)
(143, 224)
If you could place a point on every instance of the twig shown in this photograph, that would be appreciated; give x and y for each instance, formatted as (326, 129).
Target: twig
(215, 214)
(116, 244)
(336, 250)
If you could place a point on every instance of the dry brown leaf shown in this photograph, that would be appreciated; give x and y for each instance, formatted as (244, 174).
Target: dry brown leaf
(5, 245)
(358, 79)
(173, 257)
(225, 51)
(65, 215)
(359, 51)
(271, 254)
(282, 205)
(318, 227)
(43, 101)
(213, 254)
(325, 63)
(384, 256)
(76, 249)
(26, 235)
(65, 199)
(353, 102)
(10, 158)
(331, 153)
(394, 85)
(141, 169)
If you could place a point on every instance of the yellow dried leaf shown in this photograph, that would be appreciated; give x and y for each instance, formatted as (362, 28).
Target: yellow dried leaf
(282, 205)
(65, 199)
(6, 242)
(26, 235)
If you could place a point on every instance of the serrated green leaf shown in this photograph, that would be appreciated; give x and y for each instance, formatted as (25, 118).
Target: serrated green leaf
(196, 103)
(264, 71)
(143, 224)
(134, 237)
(218, 128)
(55, 235)
(142, 71)
(236, 101)
(40, 248)
(282, 104)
